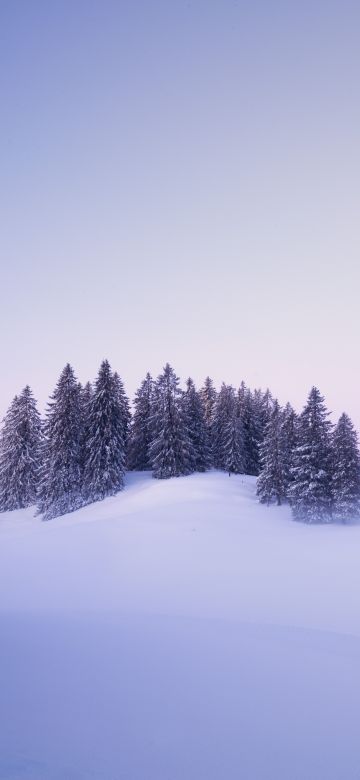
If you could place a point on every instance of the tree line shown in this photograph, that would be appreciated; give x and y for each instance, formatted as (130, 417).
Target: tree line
(80, 452)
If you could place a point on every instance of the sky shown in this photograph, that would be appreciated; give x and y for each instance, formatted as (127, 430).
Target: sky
(180, 181)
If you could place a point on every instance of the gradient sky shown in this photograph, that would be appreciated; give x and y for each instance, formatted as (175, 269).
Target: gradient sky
(180, 181)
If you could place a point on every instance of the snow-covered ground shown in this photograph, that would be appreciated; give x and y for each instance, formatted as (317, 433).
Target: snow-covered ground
(179, 631)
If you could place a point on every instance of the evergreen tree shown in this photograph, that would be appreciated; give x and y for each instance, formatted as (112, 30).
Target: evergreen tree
(140, 432)
(271, 484)
(222, 413)
(346, 471)
(20, 453)
(124, 407)
(208, 396)
(60, 484)
(251, 433)
(104, 467)
(310, 493)
(228, 436)
(86, 394)
(263, 403)
(200, 451)
(289, 438)
(234, 445)
(170, 449)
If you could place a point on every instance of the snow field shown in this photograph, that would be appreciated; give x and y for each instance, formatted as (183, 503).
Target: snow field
(179, 631)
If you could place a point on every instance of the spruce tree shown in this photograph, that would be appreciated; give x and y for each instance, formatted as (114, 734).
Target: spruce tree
(200, 451)
(20, 453)
(289, 438)
(271, 484)
(86, 394)
(228, 434)
(223, 411)
(60, 484)
(140, 432)
(170, 449)
(251, 433)
(124, 406)
(106, 430)
(311, 491)
(208, 396)
(233, 461)
(346, 471)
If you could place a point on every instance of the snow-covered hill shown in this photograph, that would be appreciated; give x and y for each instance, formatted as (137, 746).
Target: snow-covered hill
(179, 631)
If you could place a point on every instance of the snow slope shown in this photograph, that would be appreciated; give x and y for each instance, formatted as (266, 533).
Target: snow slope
(179, 631)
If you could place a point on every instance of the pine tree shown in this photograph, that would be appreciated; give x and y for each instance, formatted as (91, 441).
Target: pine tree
(20, 453)
(104, 466)
(86, 394)
(310, 493)
(346, 471)
(140, 432)
(200, 451)
(248, 412)
(289, 437)
(228, 435)
(208, 396)
(60, 485)
(234, 445)
(223, 410)
(170, 449)
(124, 407)
(271, 484)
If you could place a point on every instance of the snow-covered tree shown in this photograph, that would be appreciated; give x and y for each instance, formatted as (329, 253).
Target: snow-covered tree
(106, 430)
(311, 490)
(86, 394)
(20, 453)
(289, 438)
(228, 435)
(200, 451)
(234, 445)
(271, 484)
(346, 471)
(208, 396)
(248, 413)
(124, 407)
(140, 432)
(170, 449)
(60, 484)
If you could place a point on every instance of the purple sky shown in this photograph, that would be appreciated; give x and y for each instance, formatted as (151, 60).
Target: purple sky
(181, 181)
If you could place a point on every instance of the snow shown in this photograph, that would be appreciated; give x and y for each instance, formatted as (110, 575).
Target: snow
(179, 631)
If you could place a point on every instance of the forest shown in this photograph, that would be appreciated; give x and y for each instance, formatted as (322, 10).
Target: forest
(80, 452)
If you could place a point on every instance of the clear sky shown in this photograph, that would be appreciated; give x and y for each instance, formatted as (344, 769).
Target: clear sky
(180, 181)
